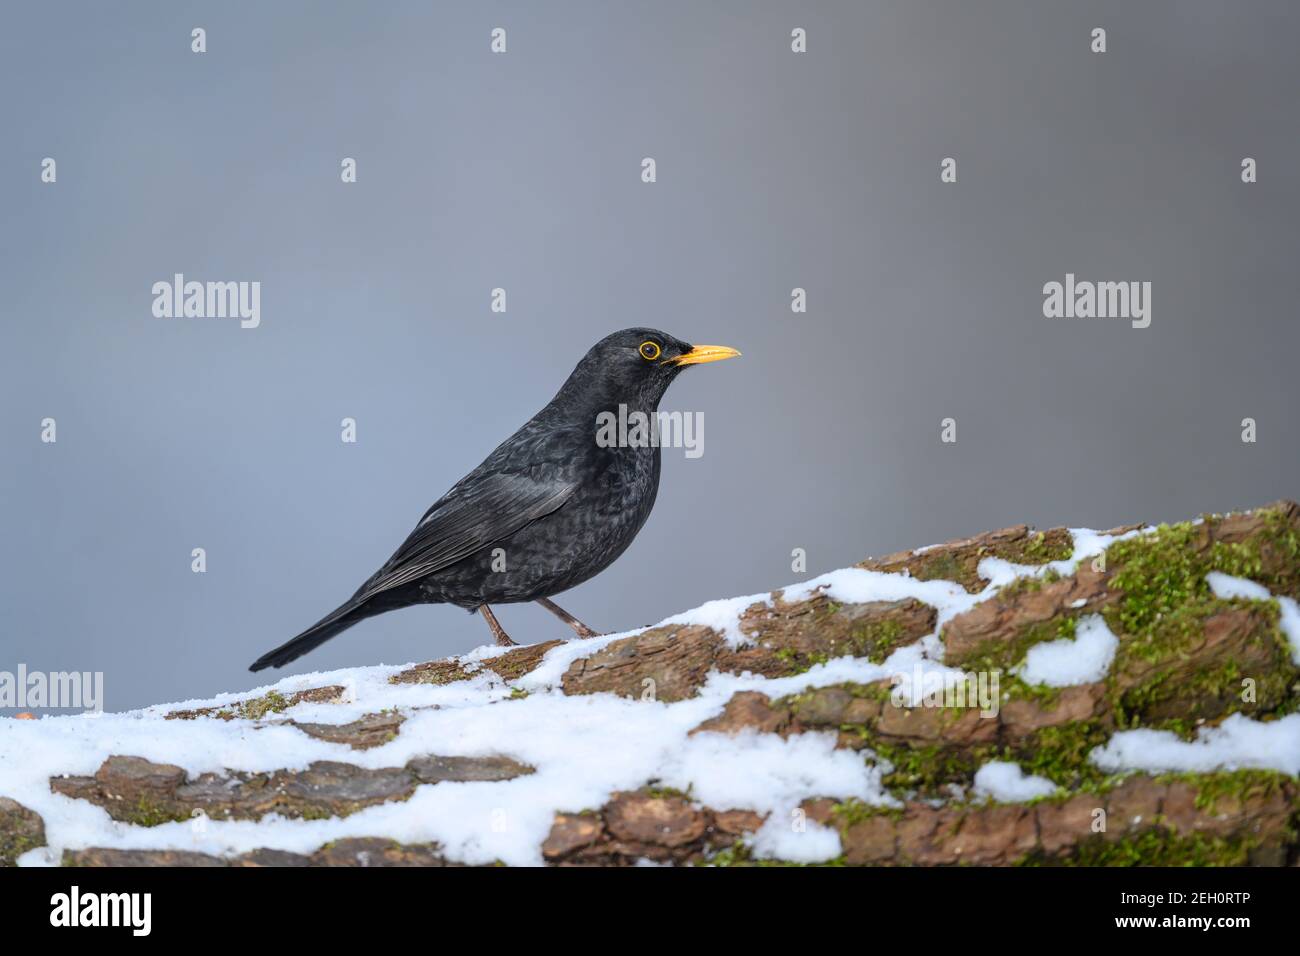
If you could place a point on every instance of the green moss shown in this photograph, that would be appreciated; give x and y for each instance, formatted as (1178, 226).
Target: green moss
(14, 843)
(1000, 654)
(797, 663)
(1237, 785)
(1182, 727)
(1156, 847)
(147, 813)
(1169, 636)
(662, 793)
(319, 813)
(876, 640)
(1060, 754)
(1270, 556)
(1204, 693)
(1158, 573)
(1162, 574)
(1163, 603)
(1045, 547)
(271, 703)
(854, 811)
(872, 639)
(1161, 613)
(881, 690)
(943, 567)
(1013, 688)
(441, 676)
(928, 770)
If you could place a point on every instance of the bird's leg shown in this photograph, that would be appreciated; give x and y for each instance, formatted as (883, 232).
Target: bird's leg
(582, 630)
(497, 630)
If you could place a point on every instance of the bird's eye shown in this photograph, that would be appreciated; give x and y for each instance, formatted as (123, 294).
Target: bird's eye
(649, 351)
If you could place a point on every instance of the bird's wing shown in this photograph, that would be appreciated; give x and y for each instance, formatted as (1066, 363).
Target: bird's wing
(472, 516)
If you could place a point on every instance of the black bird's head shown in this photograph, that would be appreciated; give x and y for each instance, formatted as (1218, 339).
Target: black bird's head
(636, 366)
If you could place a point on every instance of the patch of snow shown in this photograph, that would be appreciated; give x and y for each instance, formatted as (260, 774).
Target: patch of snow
(787, 837)
(768, 773)
(1089, 543)
(1001, 572)
(723, 616)
(1007, 783)
(1237, 743)
(858, 586)
(1290, 624)
(1226, 586)
(547, 675)
(1083, 659)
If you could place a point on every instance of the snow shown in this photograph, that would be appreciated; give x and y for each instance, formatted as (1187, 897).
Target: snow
(587, 747)
(1290, 624)
(858, 585)
(1082, 660)
(767, 773)
(1226, 586)
(723, 616)
(795, 839)
(1007, 783)
(1235, 744)
(584, 748)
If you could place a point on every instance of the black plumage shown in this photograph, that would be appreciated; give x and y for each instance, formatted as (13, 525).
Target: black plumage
(552, 503)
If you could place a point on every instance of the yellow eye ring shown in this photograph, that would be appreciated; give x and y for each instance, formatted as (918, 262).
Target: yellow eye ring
(649, 351)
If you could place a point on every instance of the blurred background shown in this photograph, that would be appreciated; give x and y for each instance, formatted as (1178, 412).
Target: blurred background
(522, 171)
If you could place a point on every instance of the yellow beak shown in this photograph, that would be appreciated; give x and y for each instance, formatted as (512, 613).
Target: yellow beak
(699, 354)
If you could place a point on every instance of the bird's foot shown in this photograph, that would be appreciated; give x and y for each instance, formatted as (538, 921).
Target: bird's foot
(582, 630)
(499, 632)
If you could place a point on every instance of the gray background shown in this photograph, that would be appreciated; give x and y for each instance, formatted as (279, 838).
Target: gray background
(477, 170)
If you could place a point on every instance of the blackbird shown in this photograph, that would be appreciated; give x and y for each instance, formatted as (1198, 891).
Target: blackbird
(556, 503)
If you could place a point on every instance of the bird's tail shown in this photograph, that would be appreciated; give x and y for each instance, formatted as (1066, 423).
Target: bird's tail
(336, 622)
